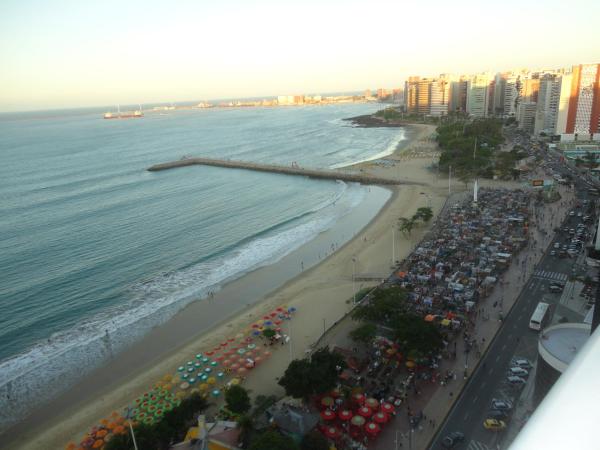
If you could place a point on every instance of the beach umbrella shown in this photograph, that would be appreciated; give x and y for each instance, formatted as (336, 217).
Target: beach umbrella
(214, 363)
(258, 360)
(98, 443)
(203, 387)
(380, 417)
(429, 318)
(387, 408)
(240, 335)
(198, 355)
(212, 380)
(234, 381)
(365, 411)
(292, 310)
(216, 393)
(71, 446)
(197, 365)
(266, 354)
(220, 358)
(327, 415)
(149, 420)
(372, 403)
(180, 369)
(204, 377)
(410, 364)
(249, 366)
(345, 414)
(220, 375)
(256, 333)
(120, 429)
(358, 421)
(266, 318)
(235, 366)
(372, 428)
(205, 360)
(191, 380)
(190, 363)
(184, 385)
(226, 362)
(241, 351)
(359, 398)
(255, 325)
(327, 401)
(278, 322)
(331, 432)
(191, 369)
(208, 370)
(251, 346)
(280, 309)
(268, 323)
(210, 353)
(101, 433)
(242, 370)
(224, 344)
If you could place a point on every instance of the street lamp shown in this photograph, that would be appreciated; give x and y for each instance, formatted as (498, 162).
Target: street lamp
(131, 427)
(354, 280)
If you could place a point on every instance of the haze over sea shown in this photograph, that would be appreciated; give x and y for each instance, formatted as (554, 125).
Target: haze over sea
(96, 250)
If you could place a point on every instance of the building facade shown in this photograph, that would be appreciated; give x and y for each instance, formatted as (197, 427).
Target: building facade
(477, 95)
(584, 103)
(546, 115)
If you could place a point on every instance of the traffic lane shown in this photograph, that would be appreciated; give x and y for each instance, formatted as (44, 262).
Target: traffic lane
(468, 413)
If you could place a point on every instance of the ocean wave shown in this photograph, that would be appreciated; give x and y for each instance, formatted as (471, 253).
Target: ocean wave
(52, 366)
(389, 149)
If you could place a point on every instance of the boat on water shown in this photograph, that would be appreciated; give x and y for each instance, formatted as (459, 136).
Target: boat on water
(126, 115)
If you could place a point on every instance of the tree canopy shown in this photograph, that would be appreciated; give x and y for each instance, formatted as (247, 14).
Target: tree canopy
(237, 399)
(415, 335)
(314, 441)
(383, 304)
(317, 375)
(272, 440)
(365, 333)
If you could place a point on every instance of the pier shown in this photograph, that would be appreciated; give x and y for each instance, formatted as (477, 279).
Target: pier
(291, 170)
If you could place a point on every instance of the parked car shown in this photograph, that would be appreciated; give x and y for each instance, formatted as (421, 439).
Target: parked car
(494, 425)
(516, 381)
(554, 288)
(522, 362)
(518, 371)
(452, 439)
(501, 405)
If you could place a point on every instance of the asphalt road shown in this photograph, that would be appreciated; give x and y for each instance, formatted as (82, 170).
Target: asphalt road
(513, 339)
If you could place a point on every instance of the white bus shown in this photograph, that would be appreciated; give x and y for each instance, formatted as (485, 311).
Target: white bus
(539, 316)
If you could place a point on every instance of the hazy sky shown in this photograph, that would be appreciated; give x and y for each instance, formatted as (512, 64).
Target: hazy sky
(81, 53)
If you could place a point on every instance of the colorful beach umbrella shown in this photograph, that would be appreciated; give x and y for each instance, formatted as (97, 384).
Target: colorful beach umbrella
(345, 414)
(365, 411)
(327, 415)
(372, 403)
(359, 398)
(358, 421)
(387, 408)
(372, 428)
(380, 417)
(332, 432)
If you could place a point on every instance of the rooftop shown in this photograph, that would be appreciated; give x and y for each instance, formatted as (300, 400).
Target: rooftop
(559, 344)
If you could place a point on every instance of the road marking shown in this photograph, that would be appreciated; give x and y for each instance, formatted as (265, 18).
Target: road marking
(466, 416)
(497, 358)
(474, 399)
(504, 346)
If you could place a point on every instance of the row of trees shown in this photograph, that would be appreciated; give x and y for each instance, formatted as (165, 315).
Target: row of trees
(422, 215)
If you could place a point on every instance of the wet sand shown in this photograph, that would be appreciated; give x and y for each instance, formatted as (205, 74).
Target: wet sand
(320, 293)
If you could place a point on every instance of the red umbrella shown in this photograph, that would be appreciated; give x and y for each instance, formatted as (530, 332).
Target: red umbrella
(359, 398)
(327, 414)
(372, 428)
(224, 344)
(358, 421)
(387, 408)
(326, 401)
(280, 309)
(331, 432)
(365, 411)
(273, 314)
(255, 325)
(230, 339)
(267, 317)
(345, 415)
(380, 417)
(210, 353)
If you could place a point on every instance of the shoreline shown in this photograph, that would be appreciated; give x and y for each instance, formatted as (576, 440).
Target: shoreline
(330, 278)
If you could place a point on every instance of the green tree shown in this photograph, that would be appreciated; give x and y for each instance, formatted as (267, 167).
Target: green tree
(406, 225)
(272, 440)
(246, 425)
(296, 379)
(314, 441)
(237, 399)
(415, 335)
(364, 333)
(269, 333)
(425, 214)
(384, 304)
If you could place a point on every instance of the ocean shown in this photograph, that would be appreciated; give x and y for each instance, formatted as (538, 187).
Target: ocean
(96, 250)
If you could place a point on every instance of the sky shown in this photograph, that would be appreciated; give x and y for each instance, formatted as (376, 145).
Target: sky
(76, 53)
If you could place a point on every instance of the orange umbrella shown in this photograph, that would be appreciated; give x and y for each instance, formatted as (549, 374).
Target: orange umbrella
(101, 433)
(71, 446)
(119, 430)
(429, 318)
(99, 443)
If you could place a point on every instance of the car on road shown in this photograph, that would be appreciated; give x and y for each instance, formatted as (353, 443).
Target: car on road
(501, 405)
(497, 414)
(522, 362)
(557, 245)
(516, 381)
(554, 288)
(553, 253)
(494, 425)
(452, 439)
(572, 213)
(518, 371)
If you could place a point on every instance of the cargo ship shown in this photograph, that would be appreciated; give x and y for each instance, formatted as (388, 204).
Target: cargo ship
(126, 115)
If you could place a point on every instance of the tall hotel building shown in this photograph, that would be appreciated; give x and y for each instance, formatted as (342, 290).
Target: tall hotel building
(478, 95)
(583, 116)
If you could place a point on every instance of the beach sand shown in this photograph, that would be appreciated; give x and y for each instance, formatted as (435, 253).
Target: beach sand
(321, 294)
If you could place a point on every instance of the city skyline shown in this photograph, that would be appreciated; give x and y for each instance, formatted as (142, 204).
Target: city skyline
(60, 55)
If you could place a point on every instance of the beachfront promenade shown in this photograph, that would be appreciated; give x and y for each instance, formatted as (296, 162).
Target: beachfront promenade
(286, 170)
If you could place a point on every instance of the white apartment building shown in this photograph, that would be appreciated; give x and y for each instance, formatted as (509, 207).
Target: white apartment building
(526, 112)
(546, 115)
(563, 104)
(477, 95)
(511, 95)
(438, 97)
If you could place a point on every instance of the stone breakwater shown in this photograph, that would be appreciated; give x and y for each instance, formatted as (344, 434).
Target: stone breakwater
(291, 170)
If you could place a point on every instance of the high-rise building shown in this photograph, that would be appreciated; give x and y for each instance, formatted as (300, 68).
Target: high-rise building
(411, 94)
(498, 99)
(438, 97)
(563, 104)
(546, 115)
(526, 116)
(530, 87)
(477, 95)
(512, 88)
(458, 95)
(584, 103)
(423, 96)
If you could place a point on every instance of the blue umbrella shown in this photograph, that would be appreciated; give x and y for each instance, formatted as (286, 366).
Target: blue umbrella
(199, 356)
(180, 369)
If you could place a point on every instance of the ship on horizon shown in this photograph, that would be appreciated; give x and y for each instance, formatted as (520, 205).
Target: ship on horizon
(126, 115)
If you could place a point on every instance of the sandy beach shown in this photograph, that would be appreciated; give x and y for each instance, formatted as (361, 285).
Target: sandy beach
(321, 294)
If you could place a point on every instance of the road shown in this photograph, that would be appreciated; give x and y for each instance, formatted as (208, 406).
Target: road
(513, 339)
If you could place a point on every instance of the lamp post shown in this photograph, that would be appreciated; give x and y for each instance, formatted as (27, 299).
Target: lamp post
(393, 245)
(131, 428)
(354, 280)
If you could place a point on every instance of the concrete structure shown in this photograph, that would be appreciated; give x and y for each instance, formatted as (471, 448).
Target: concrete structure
(557, 347)
(477, 95)
(530, 87)
(526, 116)
(512, 88)
(497, 106)
(284, 170)
(563, 104)
(458, 95)
(546, 115)
(411, 90)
